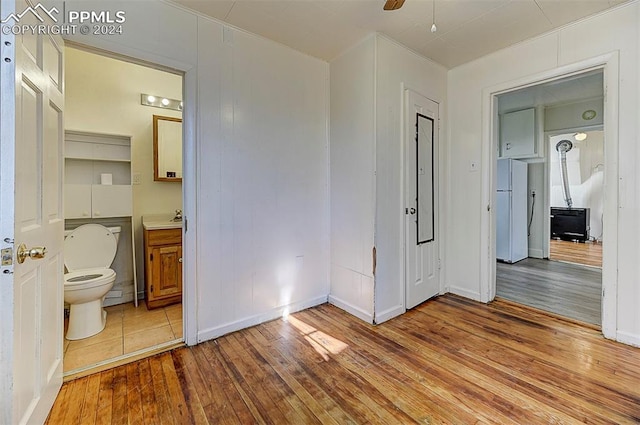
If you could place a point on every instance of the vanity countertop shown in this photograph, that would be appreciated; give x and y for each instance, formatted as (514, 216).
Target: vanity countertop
(160, 221)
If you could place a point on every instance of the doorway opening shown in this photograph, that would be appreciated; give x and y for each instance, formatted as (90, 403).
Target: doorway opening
(138, 180)
(577, 231)
(543, 157)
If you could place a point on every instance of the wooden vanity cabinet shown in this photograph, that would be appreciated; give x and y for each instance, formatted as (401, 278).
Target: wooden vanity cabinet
(163, 267)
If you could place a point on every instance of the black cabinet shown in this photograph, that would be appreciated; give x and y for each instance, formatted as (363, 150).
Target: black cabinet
(570, 223)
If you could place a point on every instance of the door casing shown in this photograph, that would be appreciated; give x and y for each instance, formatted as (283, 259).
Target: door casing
(609, 63)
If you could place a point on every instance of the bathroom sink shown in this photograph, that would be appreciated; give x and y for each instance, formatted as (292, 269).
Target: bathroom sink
(160, 221)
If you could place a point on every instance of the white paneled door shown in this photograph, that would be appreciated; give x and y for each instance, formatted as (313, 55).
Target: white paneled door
(422, 277)
(31, 218)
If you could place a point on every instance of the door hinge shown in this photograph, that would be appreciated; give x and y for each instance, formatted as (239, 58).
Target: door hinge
(150, 257)
(439, 264)
(7, 256)
(186, 225)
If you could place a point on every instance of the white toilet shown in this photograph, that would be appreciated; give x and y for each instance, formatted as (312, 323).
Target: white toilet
(89, 250)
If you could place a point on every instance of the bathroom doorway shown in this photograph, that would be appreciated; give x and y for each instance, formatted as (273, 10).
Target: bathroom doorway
(116, 97)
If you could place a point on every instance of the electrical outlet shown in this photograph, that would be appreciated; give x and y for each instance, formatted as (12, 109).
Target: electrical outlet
(532, 193)
(137, 178)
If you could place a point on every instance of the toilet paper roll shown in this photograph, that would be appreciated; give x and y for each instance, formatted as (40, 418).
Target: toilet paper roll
(106, 179)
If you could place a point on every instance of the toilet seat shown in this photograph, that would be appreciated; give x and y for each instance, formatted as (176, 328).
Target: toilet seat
(89, 246)
(87, 278)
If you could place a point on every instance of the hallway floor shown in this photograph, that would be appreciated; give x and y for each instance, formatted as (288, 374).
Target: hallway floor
(570, 290)
(128, 329)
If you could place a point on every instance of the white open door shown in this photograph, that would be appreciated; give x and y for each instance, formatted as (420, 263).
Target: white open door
(422, 276)
(31, 217)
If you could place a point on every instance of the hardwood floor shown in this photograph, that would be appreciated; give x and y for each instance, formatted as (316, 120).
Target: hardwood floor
(449, 360)
(588, 253)
(570, 290)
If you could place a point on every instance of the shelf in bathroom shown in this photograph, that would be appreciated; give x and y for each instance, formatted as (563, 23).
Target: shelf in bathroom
(160, 221)
(84, 158)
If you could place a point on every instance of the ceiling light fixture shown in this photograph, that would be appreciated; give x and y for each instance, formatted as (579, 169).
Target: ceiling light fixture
(433, 25)
(580, 136)
(160, 102)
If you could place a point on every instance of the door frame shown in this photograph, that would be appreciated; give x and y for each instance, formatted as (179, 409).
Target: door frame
(609, 63)
(189, 163)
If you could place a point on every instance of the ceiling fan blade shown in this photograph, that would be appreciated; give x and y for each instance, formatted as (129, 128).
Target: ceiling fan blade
(393, 4)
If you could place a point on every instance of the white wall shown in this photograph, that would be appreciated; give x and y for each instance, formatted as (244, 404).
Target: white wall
(353, 179)
(536, 228)
(103, 96)
(398, 68)
(613, 31)
(263, 230)
(257, 200)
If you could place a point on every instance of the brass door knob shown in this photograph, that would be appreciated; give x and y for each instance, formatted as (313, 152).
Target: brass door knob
(33, 253)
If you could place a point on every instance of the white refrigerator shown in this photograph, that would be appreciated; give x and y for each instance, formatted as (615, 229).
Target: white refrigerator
(512, 242)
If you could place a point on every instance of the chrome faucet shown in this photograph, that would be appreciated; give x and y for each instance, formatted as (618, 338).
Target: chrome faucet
(178, 216)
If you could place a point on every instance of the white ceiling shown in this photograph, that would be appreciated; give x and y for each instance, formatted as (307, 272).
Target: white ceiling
(467, 29)
(566, 90)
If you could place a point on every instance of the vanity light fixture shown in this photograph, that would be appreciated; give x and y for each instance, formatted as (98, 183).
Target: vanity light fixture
(580, 136)
(160, 102)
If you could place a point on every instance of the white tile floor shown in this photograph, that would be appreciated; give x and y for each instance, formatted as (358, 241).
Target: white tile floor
(128, 329)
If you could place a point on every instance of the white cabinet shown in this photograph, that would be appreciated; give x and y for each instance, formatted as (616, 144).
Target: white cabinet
(89, 156)
(518, 134)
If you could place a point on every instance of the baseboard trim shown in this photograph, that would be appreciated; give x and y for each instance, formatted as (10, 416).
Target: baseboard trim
(536, 253)
(218, 331)
(628, 338)
(465, 293)
(389, 314)
(351, 309)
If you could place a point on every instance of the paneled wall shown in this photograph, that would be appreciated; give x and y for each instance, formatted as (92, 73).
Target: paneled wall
(353, 179)
(367, 156)
(263, 224)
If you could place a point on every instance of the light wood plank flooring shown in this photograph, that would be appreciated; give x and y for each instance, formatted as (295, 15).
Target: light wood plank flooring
(449, 360)
(588, 253)
(570, 290)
